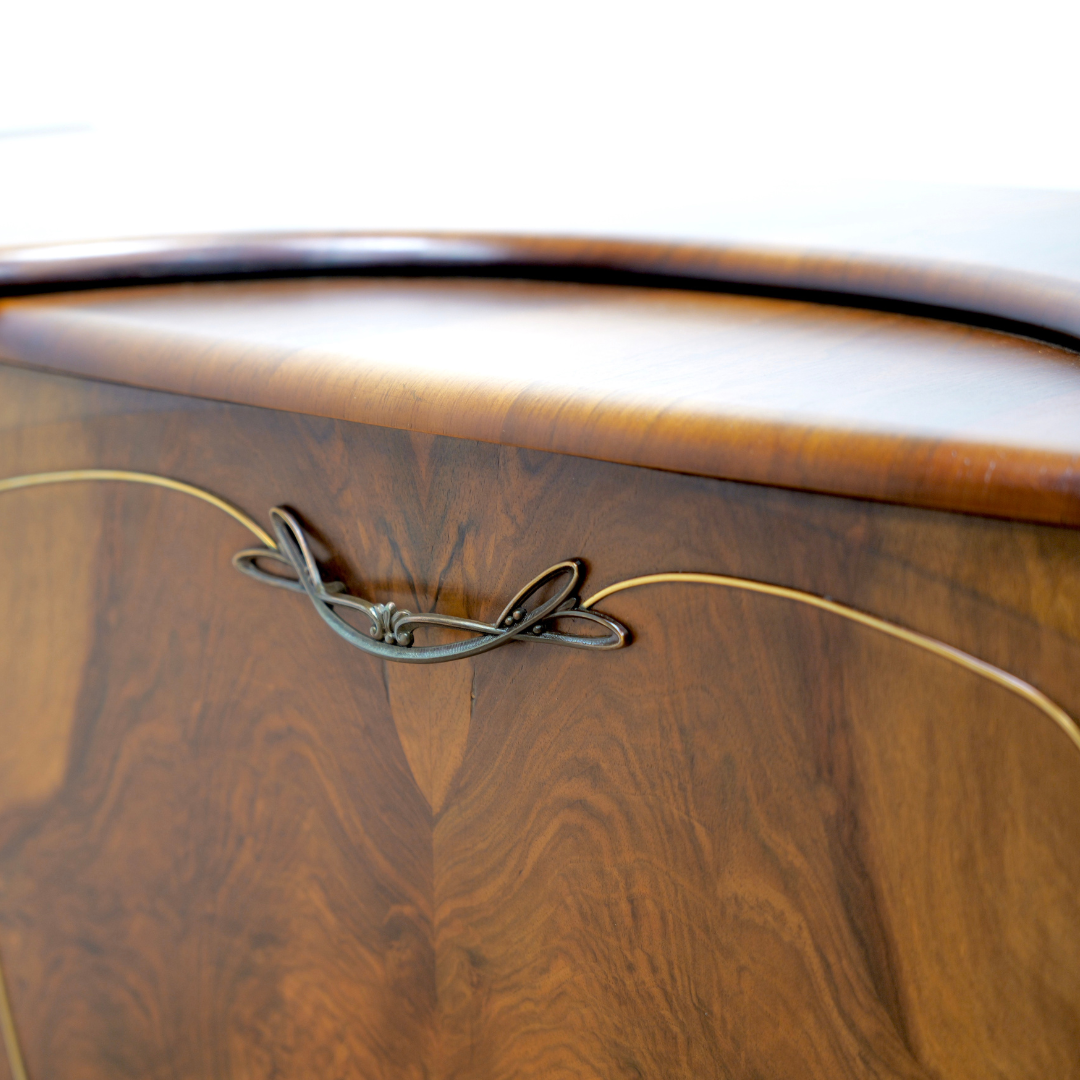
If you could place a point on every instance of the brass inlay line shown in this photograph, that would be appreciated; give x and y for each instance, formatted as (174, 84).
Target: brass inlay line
(11, 1037)
(14, 483)
(912, 637)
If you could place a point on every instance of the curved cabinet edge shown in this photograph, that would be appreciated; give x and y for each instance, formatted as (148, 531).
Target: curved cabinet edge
(1044, 305)
(1011, 482)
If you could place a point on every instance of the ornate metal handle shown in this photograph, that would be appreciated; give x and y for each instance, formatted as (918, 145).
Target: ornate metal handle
(391, 633)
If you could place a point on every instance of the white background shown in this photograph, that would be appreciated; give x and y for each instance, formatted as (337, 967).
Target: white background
(132, 118)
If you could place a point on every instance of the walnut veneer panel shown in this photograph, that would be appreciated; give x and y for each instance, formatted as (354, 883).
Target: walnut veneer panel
(760, 841)
(795, 394)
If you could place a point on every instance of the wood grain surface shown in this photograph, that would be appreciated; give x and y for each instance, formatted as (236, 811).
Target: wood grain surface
(801, 395)
(760, 841)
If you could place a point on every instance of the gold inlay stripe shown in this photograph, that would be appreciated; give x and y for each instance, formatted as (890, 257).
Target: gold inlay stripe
(912, 637)
(16, 1066)
(14, 483)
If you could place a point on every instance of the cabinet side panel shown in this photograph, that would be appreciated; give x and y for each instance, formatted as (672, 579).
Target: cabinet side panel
(763, 840)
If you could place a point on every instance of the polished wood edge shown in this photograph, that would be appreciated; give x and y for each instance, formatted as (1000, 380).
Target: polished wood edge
(1014, 483)
(1039, 305)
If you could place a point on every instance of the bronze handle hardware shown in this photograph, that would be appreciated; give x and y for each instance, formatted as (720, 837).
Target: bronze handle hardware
(390, 635)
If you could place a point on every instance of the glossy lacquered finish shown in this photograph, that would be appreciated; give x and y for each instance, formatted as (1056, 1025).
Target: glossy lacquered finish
(760, 841)
(789, 393)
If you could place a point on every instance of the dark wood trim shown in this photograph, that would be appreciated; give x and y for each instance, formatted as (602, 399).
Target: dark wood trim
(1044, 306)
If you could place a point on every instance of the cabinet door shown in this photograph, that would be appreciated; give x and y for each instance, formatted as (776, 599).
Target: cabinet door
(763, 840)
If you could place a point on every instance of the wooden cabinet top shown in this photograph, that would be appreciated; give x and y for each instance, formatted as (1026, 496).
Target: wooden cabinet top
(925, 383)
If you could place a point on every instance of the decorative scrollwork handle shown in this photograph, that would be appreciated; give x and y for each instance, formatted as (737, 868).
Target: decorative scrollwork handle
(391, 632)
